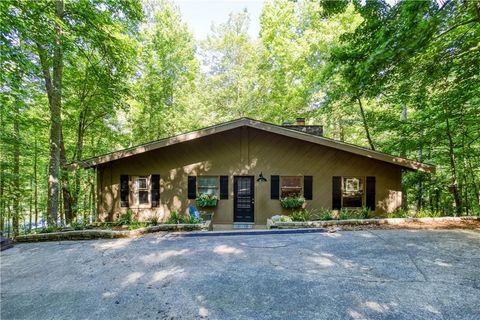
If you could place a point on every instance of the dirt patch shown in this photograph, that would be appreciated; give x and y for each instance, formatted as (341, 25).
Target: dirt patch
(430, 225)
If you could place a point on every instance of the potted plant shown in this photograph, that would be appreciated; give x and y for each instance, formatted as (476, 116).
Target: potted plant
(206, 200)
(292, 202)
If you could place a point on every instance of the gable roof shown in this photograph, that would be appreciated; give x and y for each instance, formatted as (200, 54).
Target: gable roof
(246, 122)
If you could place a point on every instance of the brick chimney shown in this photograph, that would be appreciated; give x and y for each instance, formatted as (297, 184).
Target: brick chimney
(300, 125)
(300, 122)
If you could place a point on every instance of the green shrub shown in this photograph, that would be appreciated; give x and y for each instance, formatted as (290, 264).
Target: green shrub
(344, 214)
(125, 219)
(136, 225)
(293, 202)
(325, 215)
(364, 213)
(77, 226)
(360, 213)
(281, 218)
(154, 219)
(206, 200)
(176, 218)
(302, 215)
(189, 219)
(399, 213)
(48, 229)
(425, 213)
(105, 225)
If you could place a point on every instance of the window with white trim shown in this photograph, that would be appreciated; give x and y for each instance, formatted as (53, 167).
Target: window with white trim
(208, 185)
(352, 192)
(142, 190)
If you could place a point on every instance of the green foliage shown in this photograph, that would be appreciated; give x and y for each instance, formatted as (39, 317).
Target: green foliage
(281, 218)
(344, 214)
(176, 218)
(406, 64)
(325, 215)
(364, 213)
(137, 225)
(292, 202)
(360, 213)
(399, 213)
(77, 226)
(102, 225)
(125, 219)
(167, 67)
(206, 200)
(402, 78)
(154, 219)
(189, 219)
(49, 229)
(425, 213)
(302, 215)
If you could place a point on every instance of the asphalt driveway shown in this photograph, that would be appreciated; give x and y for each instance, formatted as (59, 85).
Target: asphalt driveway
(379, 274)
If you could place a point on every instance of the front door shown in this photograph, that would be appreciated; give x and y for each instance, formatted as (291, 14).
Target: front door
(244, 199)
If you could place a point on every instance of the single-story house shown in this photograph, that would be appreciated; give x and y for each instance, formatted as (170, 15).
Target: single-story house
(249, 165)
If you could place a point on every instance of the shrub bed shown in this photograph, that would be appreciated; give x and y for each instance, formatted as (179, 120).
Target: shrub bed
(277, 222)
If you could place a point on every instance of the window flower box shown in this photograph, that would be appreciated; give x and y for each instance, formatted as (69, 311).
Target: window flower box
(206, 200)
(292, 202)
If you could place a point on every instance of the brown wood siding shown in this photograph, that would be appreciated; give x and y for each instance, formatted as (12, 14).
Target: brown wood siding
(244, 151)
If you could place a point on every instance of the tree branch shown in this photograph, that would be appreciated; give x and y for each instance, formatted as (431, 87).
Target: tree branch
(456, 26)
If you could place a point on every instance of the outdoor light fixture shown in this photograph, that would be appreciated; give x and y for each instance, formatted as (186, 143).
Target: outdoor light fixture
(261, 178)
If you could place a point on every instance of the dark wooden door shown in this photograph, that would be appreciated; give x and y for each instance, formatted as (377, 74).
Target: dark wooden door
(244, 198)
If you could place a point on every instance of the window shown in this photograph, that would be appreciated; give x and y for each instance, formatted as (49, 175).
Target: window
(352, 192)
(290, 186)
(143, 192)
(208, 185)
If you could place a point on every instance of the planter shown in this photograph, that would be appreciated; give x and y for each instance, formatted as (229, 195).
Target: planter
(292, 202)
(208, 204)
(206, 201)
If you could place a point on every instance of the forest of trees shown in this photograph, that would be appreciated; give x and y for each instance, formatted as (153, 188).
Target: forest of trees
(80, 78)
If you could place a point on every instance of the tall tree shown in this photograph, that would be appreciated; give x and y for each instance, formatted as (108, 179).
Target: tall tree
(167, 70)
(422, 46)
(230, 63)
(53, 32)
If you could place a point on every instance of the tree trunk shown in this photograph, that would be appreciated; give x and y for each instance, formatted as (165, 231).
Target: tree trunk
(30, 205)
(403, 154)
(16, 167)
(54, 93)
(35, 193)
(2, 204)
(2, 179)
(78, 157)
(454, 186)
(419, 185)
(365, 124)
(67, 197)
(9, 215)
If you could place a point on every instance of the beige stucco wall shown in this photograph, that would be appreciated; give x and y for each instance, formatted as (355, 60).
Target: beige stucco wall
(244, 151)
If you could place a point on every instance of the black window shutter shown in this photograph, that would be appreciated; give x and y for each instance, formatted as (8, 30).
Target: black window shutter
(155, 190)
(123, 190)
(274, 187)
(337, 193)
(308, 187)
(370, 193)
(223, 187)
(192, 187)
